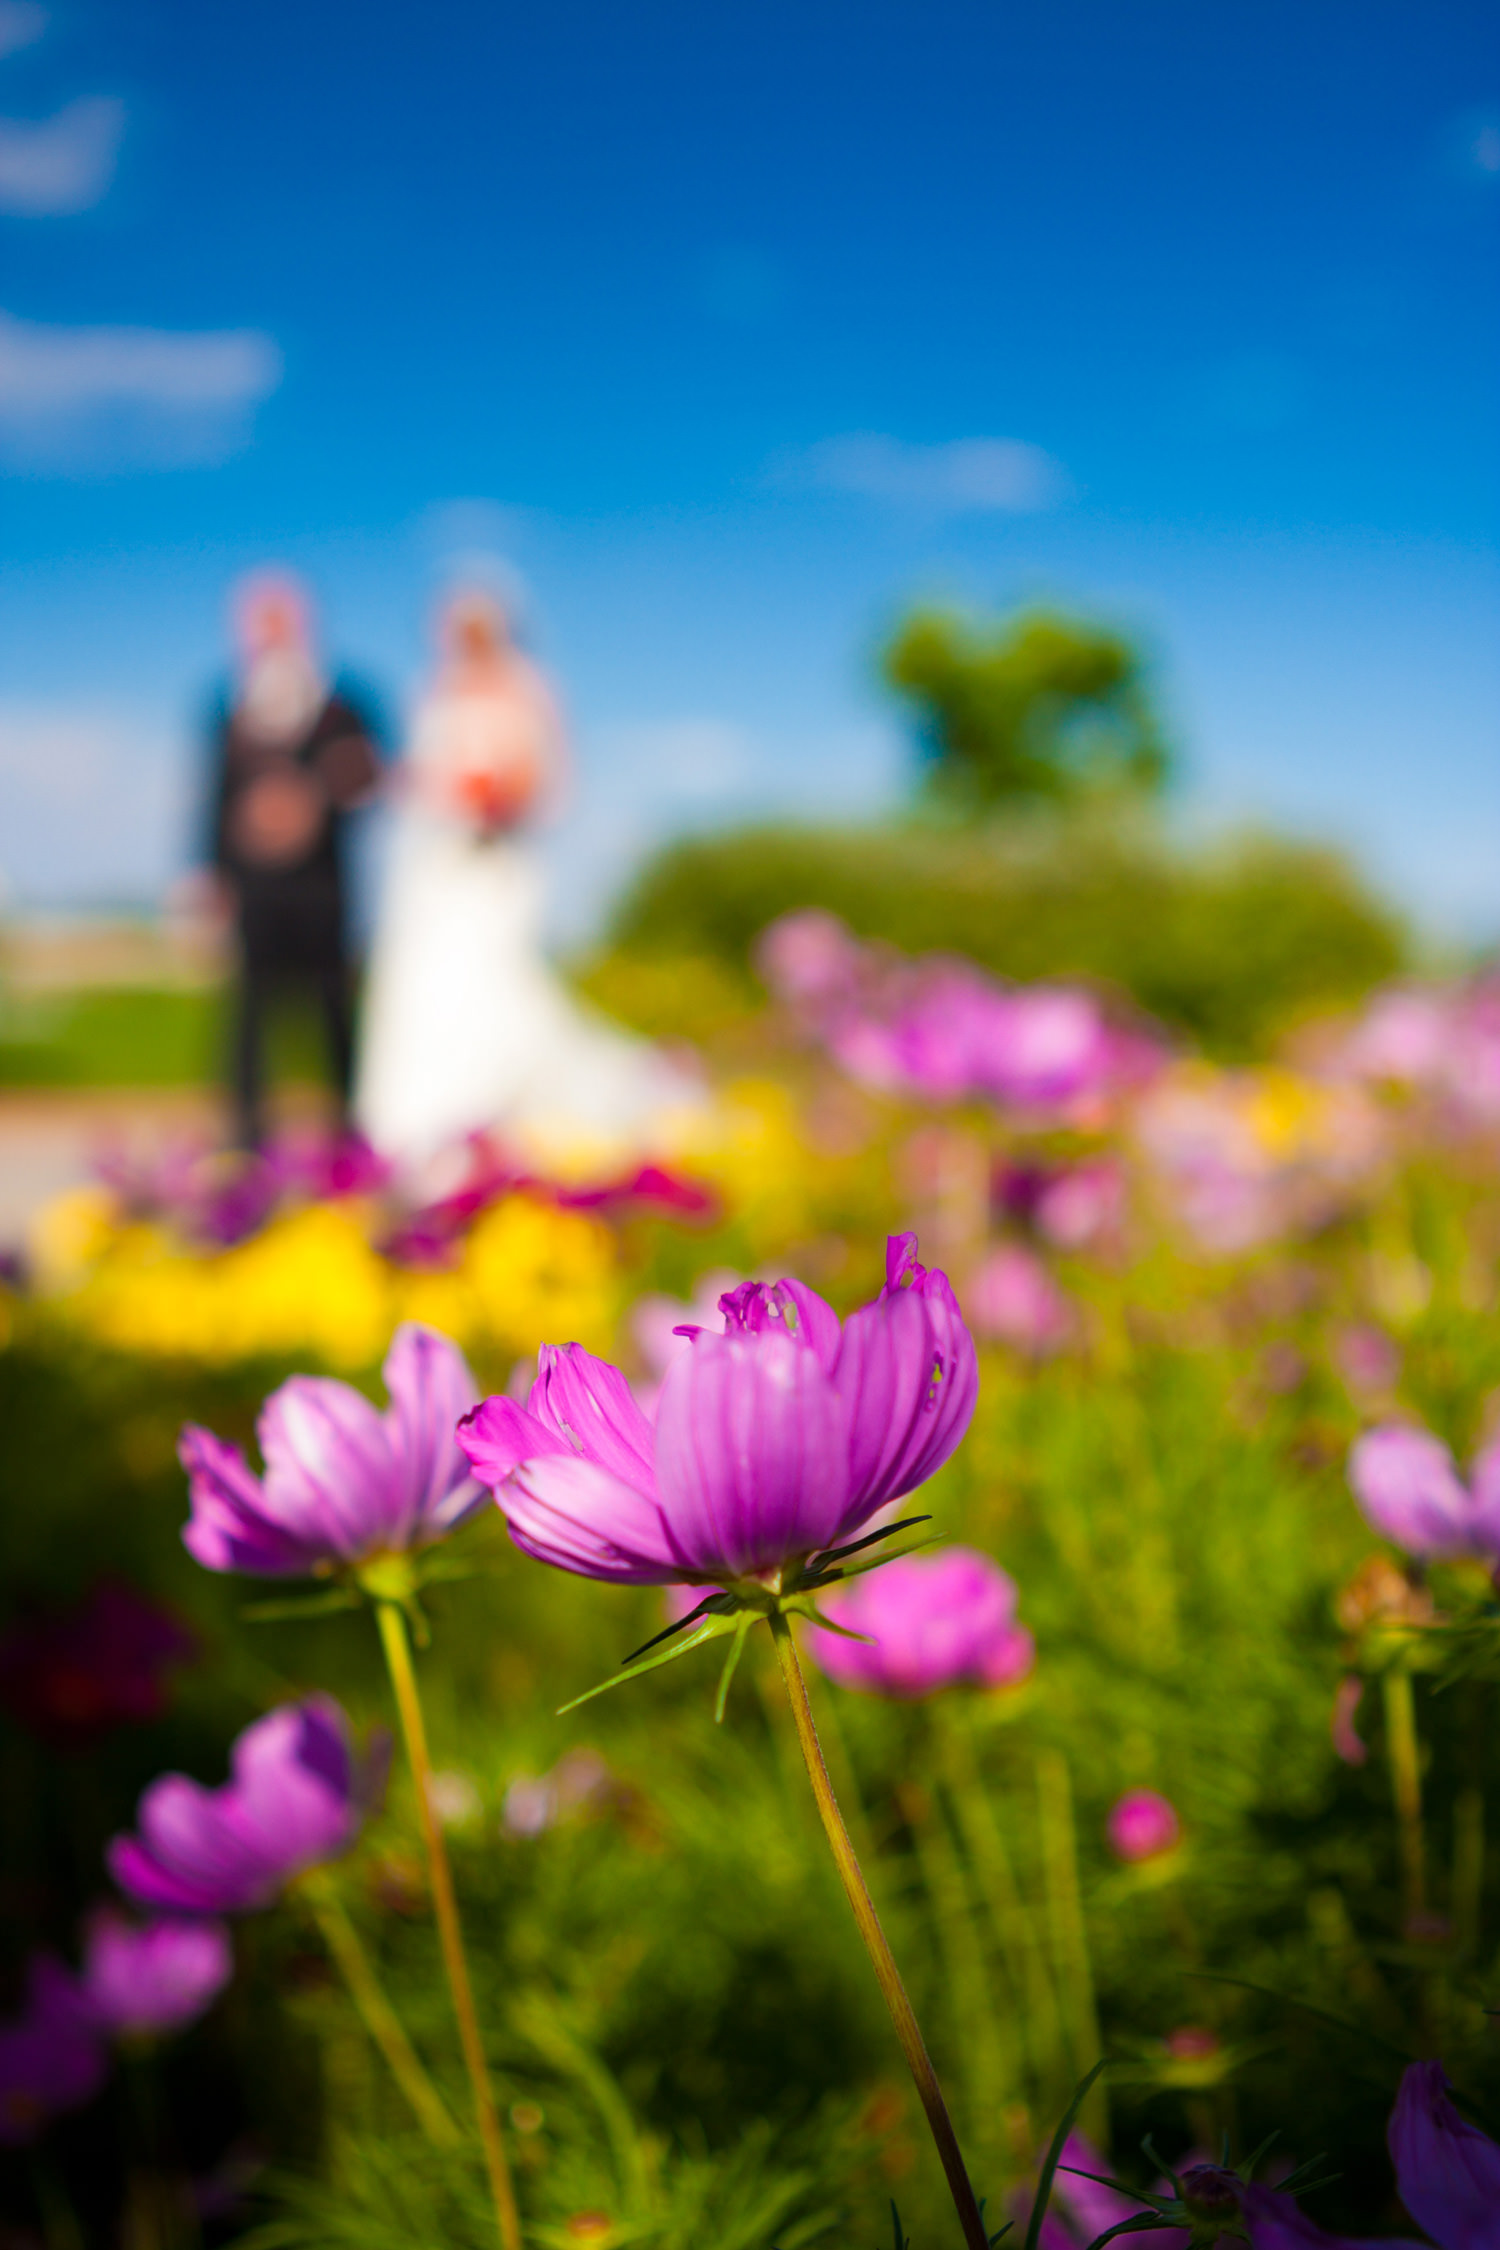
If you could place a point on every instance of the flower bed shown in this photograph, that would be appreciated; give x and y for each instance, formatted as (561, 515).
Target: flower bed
(1177, 1749)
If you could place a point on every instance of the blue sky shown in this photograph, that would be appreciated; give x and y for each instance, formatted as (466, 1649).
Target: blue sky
(731, 330)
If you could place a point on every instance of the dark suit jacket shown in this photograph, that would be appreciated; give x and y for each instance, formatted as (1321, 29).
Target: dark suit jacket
(291, 902)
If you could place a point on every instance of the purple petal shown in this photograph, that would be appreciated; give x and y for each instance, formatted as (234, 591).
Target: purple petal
(1276, 2224)
(1406, 1484)
(908, 1374)
(146, 1879)
(228, 1528)
(499, 1435)
(330, 1475)
(901, 1267)
(291, 1802)
(790, 1308)
(751, 1455)
(592, 1407)
(575, 1515)
(430, 1389)
(157, 1978)
(1447, 2170)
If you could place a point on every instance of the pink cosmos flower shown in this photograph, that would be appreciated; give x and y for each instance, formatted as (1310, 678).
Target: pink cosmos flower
(51, 2055)
(1081, 1204)
(809, 959)
(941, 1029)
(771, 1441)
(296, 1796)
(141, 1979)
(1013, 1298)
(1143, 1825)
(1409, 1488)
(933, 1620)
(342, 1481)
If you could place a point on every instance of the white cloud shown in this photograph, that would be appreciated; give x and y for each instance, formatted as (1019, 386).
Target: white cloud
(81, 398)
(22, 22)
(965, 476)
(93, 802)
(52, 166)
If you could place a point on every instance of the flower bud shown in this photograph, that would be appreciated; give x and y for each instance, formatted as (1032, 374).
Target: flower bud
(1143, 1825)
(1210, 2192)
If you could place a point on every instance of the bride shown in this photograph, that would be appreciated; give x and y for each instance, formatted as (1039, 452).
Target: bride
(466, 1027)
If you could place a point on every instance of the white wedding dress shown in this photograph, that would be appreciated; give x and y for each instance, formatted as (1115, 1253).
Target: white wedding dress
(466, 1026)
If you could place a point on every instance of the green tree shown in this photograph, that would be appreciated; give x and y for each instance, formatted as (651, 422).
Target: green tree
(1040, 707)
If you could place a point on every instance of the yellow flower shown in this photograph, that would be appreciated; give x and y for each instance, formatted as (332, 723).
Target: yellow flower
(542, 1275)
(309, 1282)
(69, 1235)
(749, 1144)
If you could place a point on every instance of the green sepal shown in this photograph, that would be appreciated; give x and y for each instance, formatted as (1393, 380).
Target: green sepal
(1144, 2222)
(821, 1562)
(1247, 2164)
(712, 1605)
(801, 1605)
(1307, 2176)
(1164, 2204)
(712, 1629)
(1054, 2152)
(742, 1625)
(436, 1566)
(301, 1605)
(812, 1578)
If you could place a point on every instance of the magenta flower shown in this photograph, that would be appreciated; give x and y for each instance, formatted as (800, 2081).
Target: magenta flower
(51, 2054)
(1092, 2207)
(70, 1678)
(1013, 1298)
(1080, 1204)
(342, 1481)
(1447, 2170)
(809, 960)
(1409, 1488)
(1143, 1825)
(1275, 2223)
(296, 1796)
(933, 1620)
(771, 1441)
(141, 1979)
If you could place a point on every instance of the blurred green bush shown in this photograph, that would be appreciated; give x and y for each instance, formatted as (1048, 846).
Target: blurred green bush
(1226, 942)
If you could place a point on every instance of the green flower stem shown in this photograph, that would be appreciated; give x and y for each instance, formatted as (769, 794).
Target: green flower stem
(1070, 1942)
(375, 2011)
(1406, 1791)
(1016, 1933)
(887, 1975)
(391, 1619)
(965, 1968)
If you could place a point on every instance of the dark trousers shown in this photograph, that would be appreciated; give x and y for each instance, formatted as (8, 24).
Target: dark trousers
(261, 985)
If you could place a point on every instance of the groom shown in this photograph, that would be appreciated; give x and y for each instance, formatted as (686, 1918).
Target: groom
(292, 758)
